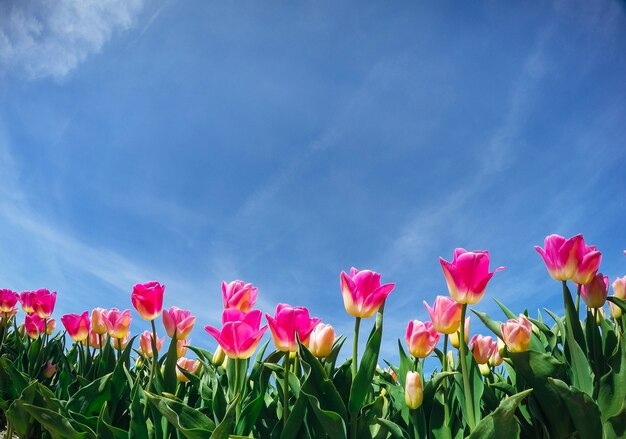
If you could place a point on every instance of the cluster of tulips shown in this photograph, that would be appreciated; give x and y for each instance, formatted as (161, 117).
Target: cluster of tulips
(526, 379)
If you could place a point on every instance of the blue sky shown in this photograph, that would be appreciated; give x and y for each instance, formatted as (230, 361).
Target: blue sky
(280, 143)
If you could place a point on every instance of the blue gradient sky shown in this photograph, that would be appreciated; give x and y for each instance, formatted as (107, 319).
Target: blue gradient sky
(280, 143)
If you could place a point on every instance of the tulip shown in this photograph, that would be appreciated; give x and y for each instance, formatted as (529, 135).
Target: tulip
(421, 338)
(594, 293)
(121, 343)
(288, 321)
(8, 314)
(218, 357)
(145, 343)
(322, 340)
(181, 347)
(516, 333)
(49, 370)
(619, 291)
(98, 324)
(413, 391)
(26, 300)
(188, 365)
(43, 303)
(117, 322)
(454, 337)
(588, 262)
(95, 339)
(8, 299)
(445, 314)
(240, 332)
(561, 255)
(179, 321)
(50, 325)
(77, 326)
(481, 348)
(467, 275)
(393, 374)
(148, 299)
(34, 325)
(495, 359)
(239, 295)
(362, 292)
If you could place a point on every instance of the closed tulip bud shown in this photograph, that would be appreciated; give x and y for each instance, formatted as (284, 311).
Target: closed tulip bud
(179, 321)
(218, 357)
(467, 275)
(117, 322)
(445, 314)
(413, 390)
(393, 374)
(288, 321)
(454, 337)
(8, 299)
(49, 370)
(600, 315)
(484, 369)
(595, 292)
(362, 292)
(145, 343)
(619, 291)
(50, 325)
(421, 338)
(77, 326)
(516, 333)
(481, 348)
(240, 295)
(450, 358)
(321, 340)
(187, 364)
(181, 347)
(97, 321)
(43, 303)
(95, 340)
(495, 359)
(148, 299)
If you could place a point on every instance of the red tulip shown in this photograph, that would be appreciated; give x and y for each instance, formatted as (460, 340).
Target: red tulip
(148, 299)
(467, 275)
(178, 320)
(240, 332)
(240, 295)
(288, 321)
(421, 338)
(362, 292)
(77, 326)
(445, 314)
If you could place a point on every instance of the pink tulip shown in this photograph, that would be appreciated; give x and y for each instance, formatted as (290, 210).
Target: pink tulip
(145, 342)
(516, 333)
(413, 390)
(8, 314)
(561, 255)
(321, 340)
(95, 339)
(117, 322)
(288, 321)
(495, 359)
(50, 325)
(77, 326)
(188, 365)
(482, 348)
(178, 320)
(240, 295)
(588, 262)
(362, 292)
(148, 299)
(26, 300)
(34, 325)
(240, 332)
(467, 275)
(43, 302)
(619, 291)
(8, 299)
(181, 347)
(445, 314)
(98, 323)
(594, 293)
(454, 337)
(121, 343)
(421, 338)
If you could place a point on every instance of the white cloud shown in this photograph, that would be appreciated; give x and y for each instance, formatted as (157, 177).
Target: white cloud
(43, 38)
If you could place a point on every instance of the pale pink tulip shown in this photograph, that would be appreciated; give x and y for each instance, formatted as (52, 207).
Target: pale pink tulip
(413, 390)
(98, 324)
(322, 340)
(482, 347)
(516, 333)
(619, 291)
(188, 365)
(117, 322)
(145, 343)
(179, 321)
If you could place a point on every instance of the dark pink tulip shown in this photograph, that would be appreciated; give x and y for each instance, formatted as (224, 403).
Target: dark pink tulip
(240, 332)
(117, 322)
(288, 321)
(445, 314)
(179, 320)
(362, 292)
(77, 326)
(467, 275)
(561, 255)
(148, 299)
(240, 295)
(8, 299)
(482, 347)
(421, 338)
(595, 292)
(26, 300)
(588, 262)
(34, 325)
(43, 302)
(516, 333)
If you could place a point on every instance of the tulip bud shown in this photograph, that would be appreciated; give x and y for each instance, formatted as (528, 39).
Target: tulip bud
(495, 359)
(450, 358)
(481, 348)
(484, 369)
(218, 357)
(97, 321)
(454, 337)
(49, 370)
(145, 343)
(413, 391)
(321, 340)
(516, 333)
(50, 325)
(619, 291)
(595, 292)
(181, 347)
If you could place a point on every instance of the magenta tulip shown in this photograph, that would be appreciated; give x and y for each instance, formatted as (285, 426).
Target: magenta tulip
(34, 325)
(8, 314)
(240, 332)
(8, 299)
(178, 320)
(148, 299)
(43, 302)
(588, 261)
(467, 275)
(77, 326)
(421, 338)
(288, 321)
(362, 292)
(516, 333)
(445, 314)
(117, 322)
(595, 292)
(26, 300)
(561, 255)
(239, 295)
(50, 325)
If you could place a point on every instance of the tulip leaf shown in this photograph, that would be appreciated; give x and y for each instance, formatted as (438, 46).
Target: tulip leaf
(617, 301)
(493, 325)
(106, 430)
(612, 389)
(57, 424)
(394, 429)
(361, 384)
(12, 381)
(169, 369)
(583, 410)
(559, 323)
(615, 426)
(90, 398)
(501, 423)
(507, 312)
(188, 421)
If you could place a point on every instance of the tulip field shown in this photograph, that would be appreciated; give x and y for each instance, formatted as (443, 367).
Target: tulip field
(529, 374)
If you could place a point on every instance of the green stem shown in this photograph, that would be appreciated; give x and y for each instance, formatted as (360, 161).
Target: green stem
(155, 355)
(355, 347)
(469, 401)
(415, 418)
(238, 392)
(444, 368)
(578, 297)
(286, 390)
(5, 329)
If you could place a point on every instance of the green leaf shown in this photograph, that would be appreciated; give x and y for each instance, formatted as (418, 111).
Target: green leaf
(224, 428)
(106, 430)
(190, 422)
(582, 409)
(501, 423)
(394, 429)
(169, 372)
(612, 388)
(560, 325)
(507, 312)
(90, 398)
(57, 424)
(362, 382)
(493, 325)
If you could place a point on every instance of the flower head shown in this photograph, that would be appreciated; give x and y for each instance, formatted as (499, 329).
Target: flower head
(34, 325)
(8, 299)
(516, 333)
(322, 340)
(98, 324)
(148, 299)
(467, 275)
(454, 337)
(240, 295)
(240, 332)
(561, 255)
(595, 292)
(588, 261)
(288, 321)
(43, 302)
(619, 291)
(188, 365)
(482, 347)
(413, 390)
(117, 322)
(445, 314)
(362, 292)
(26, 300)
(421, 338)
(145, 343)
(179, 321)
(77, 326)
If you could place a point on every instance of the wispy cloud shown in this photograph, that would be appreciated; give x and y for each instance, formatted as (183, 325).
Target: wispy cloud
(42, 39)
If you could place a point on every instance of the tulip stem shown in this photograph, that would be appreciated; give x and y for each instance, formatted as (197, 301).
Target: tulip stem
(578, 297)
(237, 390)
(286, 390)
(444, 368)
(416, 420)
(355, 347)
(155, 355)
(469, 401)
